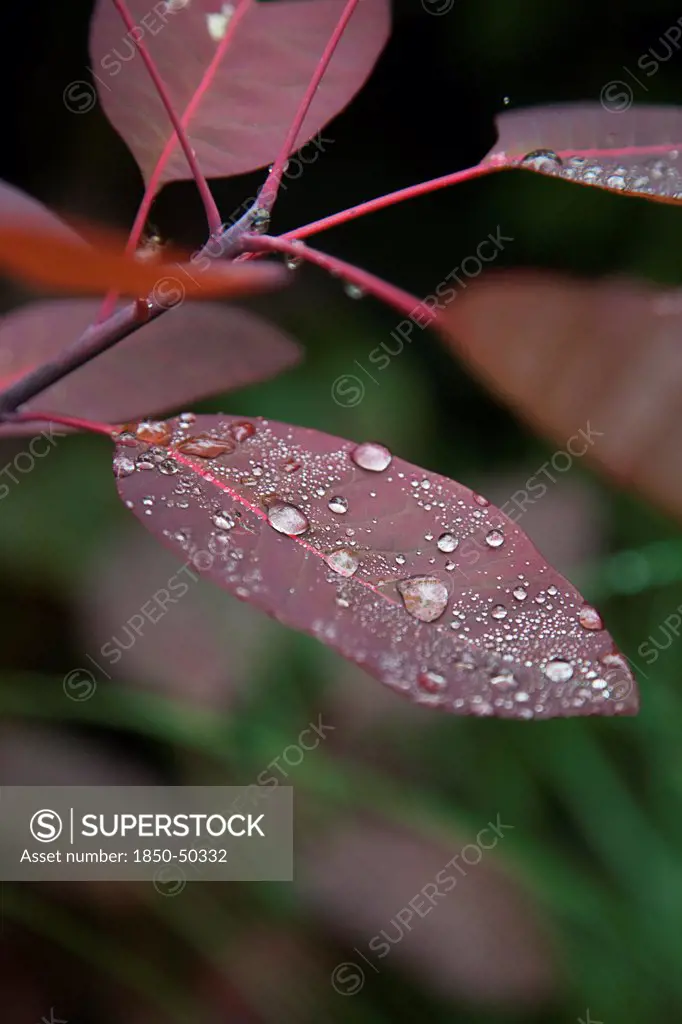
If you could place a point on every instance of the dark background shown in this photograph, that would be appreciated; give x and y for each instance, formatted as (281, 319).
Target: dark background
(581, 906)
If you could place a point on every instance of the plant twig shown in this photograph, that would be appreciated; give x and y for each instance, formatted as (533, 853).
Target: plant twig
(92, 426)
(405, 303)
(381, 202)
(268, 193)
(212, 212)
(150, 191)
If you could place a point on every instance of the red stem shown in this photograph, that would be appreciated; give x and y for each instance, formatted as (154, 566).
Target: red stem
(411, 192)
(212, 212)
(152, 185)
(66, 421)
(268, 193)
(402, 301)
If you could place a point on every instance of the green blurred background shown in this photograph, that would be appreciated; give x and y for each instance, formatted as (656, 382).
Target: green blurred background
(580, 907)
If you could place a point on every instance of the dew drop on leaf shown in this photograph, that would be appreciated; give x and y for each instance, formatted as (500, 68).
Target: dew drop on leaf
(343, 561)
(371, 456)
(481, 500)
(287, 519)
(431, 682)
(558, 671)
(498, 611)
(338, 505)
(494, 539)
(153, 432)
(123, 466)
(543, 160)
(503, 681)
(520, 594)
(424, 597)
(590, 618)
(447, 542)
(205, 447)
(242, 431)
(223, 521)
(168, 467)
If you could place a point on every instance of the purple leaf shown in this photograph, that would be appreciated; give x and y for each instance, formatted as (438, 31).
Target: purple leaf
(18, 208)
(422, 582)
(563, 351)
(635, 151)
(251, 98)
(486, 944)
(146, 620)
(192, 352)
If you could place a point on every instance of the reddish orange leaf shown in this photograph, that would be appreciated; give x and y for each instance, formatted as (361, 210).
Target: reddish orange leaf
(49, 259)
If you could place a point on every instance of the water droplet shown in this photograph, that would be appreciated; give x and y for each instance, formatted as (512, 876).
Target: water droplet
(223, 520)
(294, 262)
(447, 542)
(123, 466)
(343, 561)
(498, 611)
(353, 291)
(291, 465)
(342, 602)
(168, 467)
(520, 594)
(506, 100)
(552, 591)
(558, 670)
(425, 597)
(260, 220)
(503, 681)
(218, 543)
(450, 566)
(480, 499)
(187, 417)
(400, 559)
(590, 618)
(521, 696)
(494, 539)
(287, 519)
(153, 432)
(540, 598)
(371, 456)
(205, 447)
(431, 682)
(338, 505)
(543, 160)
(242, 431)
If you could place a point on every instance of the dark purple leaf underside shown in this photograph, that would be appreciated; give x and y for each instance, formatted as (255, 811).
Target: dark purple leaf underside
(635, 151)
(251, 97)
(193, 352)
(19, 208)
(413, 576)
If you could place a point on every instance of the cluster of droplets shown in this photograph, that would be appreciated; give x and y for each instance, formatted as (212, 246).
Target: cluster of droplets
(653, 176)
(495, 619)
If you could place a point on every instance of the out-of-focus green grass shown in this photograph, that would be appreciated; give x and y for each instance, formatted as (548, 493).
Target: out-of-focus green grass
(598, 833)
